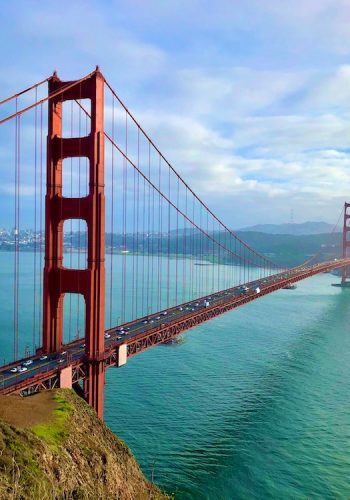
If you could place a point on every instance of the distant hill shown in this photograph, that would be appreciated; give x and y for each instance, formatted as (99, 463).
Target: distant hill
(291, 249)
(292, 229)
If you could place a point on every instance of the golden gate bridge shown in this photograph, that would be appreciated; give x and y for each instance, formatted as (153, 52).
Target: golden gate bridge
(117, 231)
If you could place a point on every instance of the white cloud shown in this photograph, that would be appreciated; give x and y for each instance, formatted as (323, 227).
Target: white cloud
(248, 103)
(330, 92)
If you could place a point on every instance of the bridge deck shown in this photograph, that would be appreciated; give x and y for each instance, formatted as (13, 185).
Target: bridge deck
(143, 333)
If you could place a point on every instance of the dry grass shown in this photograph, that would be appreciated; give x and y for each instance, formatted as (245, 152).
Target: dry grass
(26, 412)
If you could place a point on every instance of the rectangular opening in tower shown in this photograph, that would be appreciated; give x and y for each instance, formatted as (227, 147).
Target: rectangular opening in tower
(73, 318)
(76, 121)
(75, 177)
(75, 240)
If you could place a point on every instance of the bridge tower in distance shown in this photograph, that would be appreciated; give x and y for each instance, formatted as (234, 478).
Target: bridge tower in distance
(58, 280)
(346, 245)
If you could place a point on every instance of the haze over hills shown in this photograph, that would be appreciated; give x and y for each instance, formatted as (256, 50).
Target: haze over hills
(303, 228)
(286, 244)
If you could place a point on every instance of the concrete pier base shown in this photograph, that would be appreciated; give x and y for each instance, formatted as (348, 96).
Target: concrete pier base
(122, 355)
(66, 378)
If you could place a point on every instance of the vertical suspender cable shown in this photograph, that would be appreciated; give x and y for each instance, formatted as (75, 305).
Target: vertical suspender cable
(184, 273)
(35, 211)
(159, 249)
(160, 237)
(71, 227)
(112, 226)
(137, 224)
(133, 302)
(168, 229)
(15, 326)
(177, 243)
(148, 231)
(41, 228)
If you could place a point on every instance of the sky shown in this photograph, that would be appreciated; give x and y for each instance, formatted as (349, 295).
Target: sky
(249, 100)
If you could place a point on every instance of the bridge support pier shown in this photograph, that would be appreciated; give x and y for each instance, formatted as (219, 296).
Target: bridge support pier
(58, 280)
(122, 355)
(345, 280)
(66, 378)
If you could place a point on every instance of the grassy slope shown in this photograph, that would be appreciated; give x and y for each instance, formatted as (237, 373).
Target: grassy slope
(70, 454)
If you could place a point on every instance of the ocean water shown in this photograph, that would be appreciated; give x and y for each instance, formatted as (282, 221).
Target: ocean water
(252, 405)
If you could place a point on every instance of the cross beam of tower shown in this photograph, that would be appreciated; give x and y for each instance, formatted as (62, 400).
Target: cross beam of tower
(89, 282)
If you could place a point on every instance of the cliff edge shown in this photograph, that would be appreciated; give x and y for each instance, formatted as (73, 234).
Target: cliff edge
(53, 446)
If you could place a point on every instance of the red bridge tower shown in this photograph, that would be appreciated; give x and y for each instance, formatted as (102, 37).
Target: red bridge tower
(58, 280)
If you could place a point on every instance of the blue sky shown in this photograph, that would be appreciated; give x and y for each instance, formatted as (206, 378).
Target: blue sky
(250, 101)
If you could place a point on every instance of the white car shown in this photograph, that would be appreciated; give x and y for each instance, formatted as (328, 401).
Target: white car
(43, 357)
(28, 362)
(107, 336)
(14, 369)
(22, 369)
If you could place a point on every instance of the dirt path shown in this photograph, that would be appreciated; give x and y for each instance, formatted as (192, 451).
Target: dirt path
(29, 411)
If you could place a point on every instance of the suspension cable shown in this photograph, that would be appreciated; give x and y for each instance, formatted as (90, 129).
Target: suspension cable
(35, 86)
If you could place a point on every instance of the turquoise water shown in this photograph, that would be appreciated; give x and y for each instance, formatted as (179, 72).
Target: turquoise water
(254, 404)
